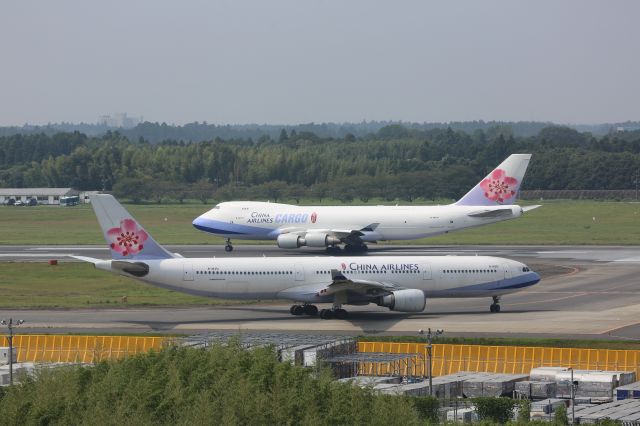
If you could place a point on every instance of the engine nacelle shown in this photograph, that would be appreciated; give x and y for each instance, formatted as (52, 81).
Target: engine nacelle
(290, 241)
(410, 300)
(320, 240)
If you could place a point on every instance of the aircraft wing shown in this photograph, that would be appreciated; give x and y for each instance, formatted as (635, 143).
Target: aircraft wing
(349, 236)
(340, 283)
(529, 208)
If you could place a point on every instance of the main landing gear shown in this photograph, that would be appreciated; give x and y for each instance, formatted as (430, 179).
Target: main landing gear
(495, 306)
(311, 310)
(339, 313)
(228, 247)
(305, 309)
(348, 248)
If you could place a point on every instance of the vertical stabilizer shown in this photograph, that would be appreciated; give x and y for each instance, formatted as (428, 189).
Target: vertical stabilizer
(501, 186)
(125, 236)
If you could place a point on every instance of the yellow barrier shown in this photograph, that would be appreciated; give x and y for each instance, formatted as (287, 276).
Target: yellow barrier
(61, 348)
(449, 359)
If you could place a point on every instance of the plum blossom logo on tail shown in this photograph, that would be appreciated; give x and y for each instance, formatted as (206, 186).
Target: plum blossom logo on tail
(314, 217)
(499, 187)
(128, 239)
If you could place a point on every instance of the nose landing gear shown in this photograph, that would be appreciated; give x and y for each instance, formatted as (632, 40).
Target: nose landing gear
(228, 247)
(495, 306)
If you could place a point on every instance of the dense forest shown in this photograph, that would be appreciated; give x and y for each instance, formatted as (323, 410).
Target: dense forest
(200, 131)
(394, 163)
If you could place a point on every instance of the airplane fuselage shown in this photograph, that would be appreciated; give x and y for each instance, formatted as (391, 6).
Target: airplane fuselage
(303, 279)
(266, 221)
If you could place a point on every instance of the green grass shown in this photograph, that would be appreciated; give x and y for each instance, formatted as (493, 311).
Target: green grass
(556, 222)
(80, 285)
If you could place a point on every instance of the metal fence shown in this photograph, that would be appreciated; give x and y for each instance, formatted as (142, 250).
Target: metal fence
(61, 348)
(448, 359)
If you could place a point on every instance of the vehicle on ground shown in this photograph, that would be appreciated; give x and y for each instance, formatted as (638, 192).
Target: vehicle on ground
(490, 201)
(19, 203)
(400, 283)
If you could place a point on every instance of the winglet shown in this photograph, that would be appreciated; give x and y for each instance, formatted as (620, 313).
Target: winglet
(126, 238)
(338, 276)
(501, 186)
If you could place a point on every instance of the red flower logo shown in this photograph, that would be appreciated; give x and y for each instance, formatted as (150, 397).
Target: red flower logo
(314, 217)
(128, 238)
(499, 187)
(344, 266)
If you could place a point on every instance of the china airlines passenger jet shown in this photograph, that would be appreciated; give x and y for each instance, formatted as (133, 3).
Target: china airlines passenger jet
(491, 200)
(399, 283)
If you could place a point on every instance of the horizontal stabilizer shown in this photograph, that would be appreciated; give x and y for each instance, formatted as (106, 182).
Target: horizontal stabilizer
(87, 259)
(529, 208)
(491, 213)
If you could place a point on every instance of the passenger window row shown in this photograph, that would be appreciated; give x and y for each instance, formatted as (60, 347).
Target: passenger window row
(371, 272)
(244, 272)
(469, 271)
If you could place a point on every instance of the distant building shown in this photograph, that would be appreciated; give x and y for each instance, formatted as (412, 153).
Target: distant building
(119, 119)
(42, 195)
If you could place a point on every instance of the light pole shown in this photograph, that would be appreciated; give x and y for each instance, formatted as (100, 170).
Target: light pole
(573, 398)
(430, 336)
(10, 326)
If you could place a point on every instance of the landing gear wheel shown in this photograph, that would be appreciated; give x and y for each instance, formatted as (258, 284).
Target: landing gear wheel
(310, 310)
(296, 310)
(495, 306)
(228, 247)
(326, 314)
(340, 314)
(333, 250)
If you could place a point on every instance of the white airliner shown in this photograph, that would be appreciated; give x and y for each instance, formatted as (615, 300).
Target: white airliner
(398, 283)
(491, 200)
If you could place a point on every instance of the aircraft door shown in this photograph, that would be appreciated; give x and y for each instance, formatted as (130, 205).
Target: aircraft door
(299, 272)
(507, 271)
(426, 272)
(187, 275)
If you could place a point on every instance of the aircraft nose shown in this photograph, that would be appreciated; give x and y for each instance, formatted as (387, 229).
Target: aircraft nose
(198, 222)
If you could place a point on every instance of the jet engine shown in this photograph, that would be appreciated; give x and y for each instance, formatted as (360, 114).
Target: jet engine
(410, 300)
(320, 240)
(291, 241)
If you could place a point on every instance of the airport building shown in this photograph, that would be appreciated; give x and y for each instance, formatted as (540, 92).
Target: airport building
(42, 195)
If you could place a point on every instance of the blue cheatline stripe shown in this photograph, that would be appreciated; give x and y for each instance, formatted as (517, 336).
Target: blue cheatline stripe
(520, 281)
(225, 228)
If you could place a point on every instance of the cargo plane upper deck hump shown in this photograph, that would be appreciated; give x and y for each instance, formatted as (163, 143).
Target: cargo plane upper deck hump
(491, 200)
(400, 283)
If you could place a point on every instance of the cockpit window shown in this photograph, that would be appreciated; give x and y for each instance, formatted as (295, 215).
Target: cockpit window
(525, 269)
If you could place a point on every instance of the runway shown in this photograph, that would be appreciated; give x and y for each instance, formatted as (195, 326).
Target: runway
(586, 292)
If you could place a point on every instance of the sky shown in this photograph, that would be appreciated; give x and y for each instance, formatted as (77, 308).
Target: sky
(300, 61)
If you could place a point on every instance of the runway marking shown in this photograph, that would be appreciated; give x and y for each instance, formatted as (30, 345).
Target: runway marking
(629, 259)
(34, 254)
(620, 327)
(65, 248)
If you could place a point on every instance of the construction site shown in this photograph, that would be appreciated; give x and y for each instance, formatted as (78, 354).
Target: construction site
(591, 384)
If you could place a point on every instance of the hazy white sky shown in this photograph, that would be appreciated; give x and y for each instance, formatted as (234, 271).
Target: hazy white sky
(287, 62)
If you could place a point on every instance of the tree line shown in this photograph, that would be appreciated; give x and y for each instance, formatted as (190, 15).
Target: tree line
(395, 163)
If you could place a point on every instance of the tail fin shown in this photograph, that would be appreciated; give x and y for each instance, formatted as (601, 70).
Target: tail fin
(501, 186)
(126, 238)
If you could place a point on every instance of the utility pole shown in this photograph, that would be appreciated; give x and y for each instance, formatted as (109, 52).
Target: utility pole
(10, 326)
(430, 336)
(573, 399)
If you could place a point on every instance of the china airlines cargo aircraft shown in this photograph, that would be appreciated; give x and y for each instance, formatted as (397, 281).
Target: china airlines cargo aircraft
(491, 200)
(399, 283)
